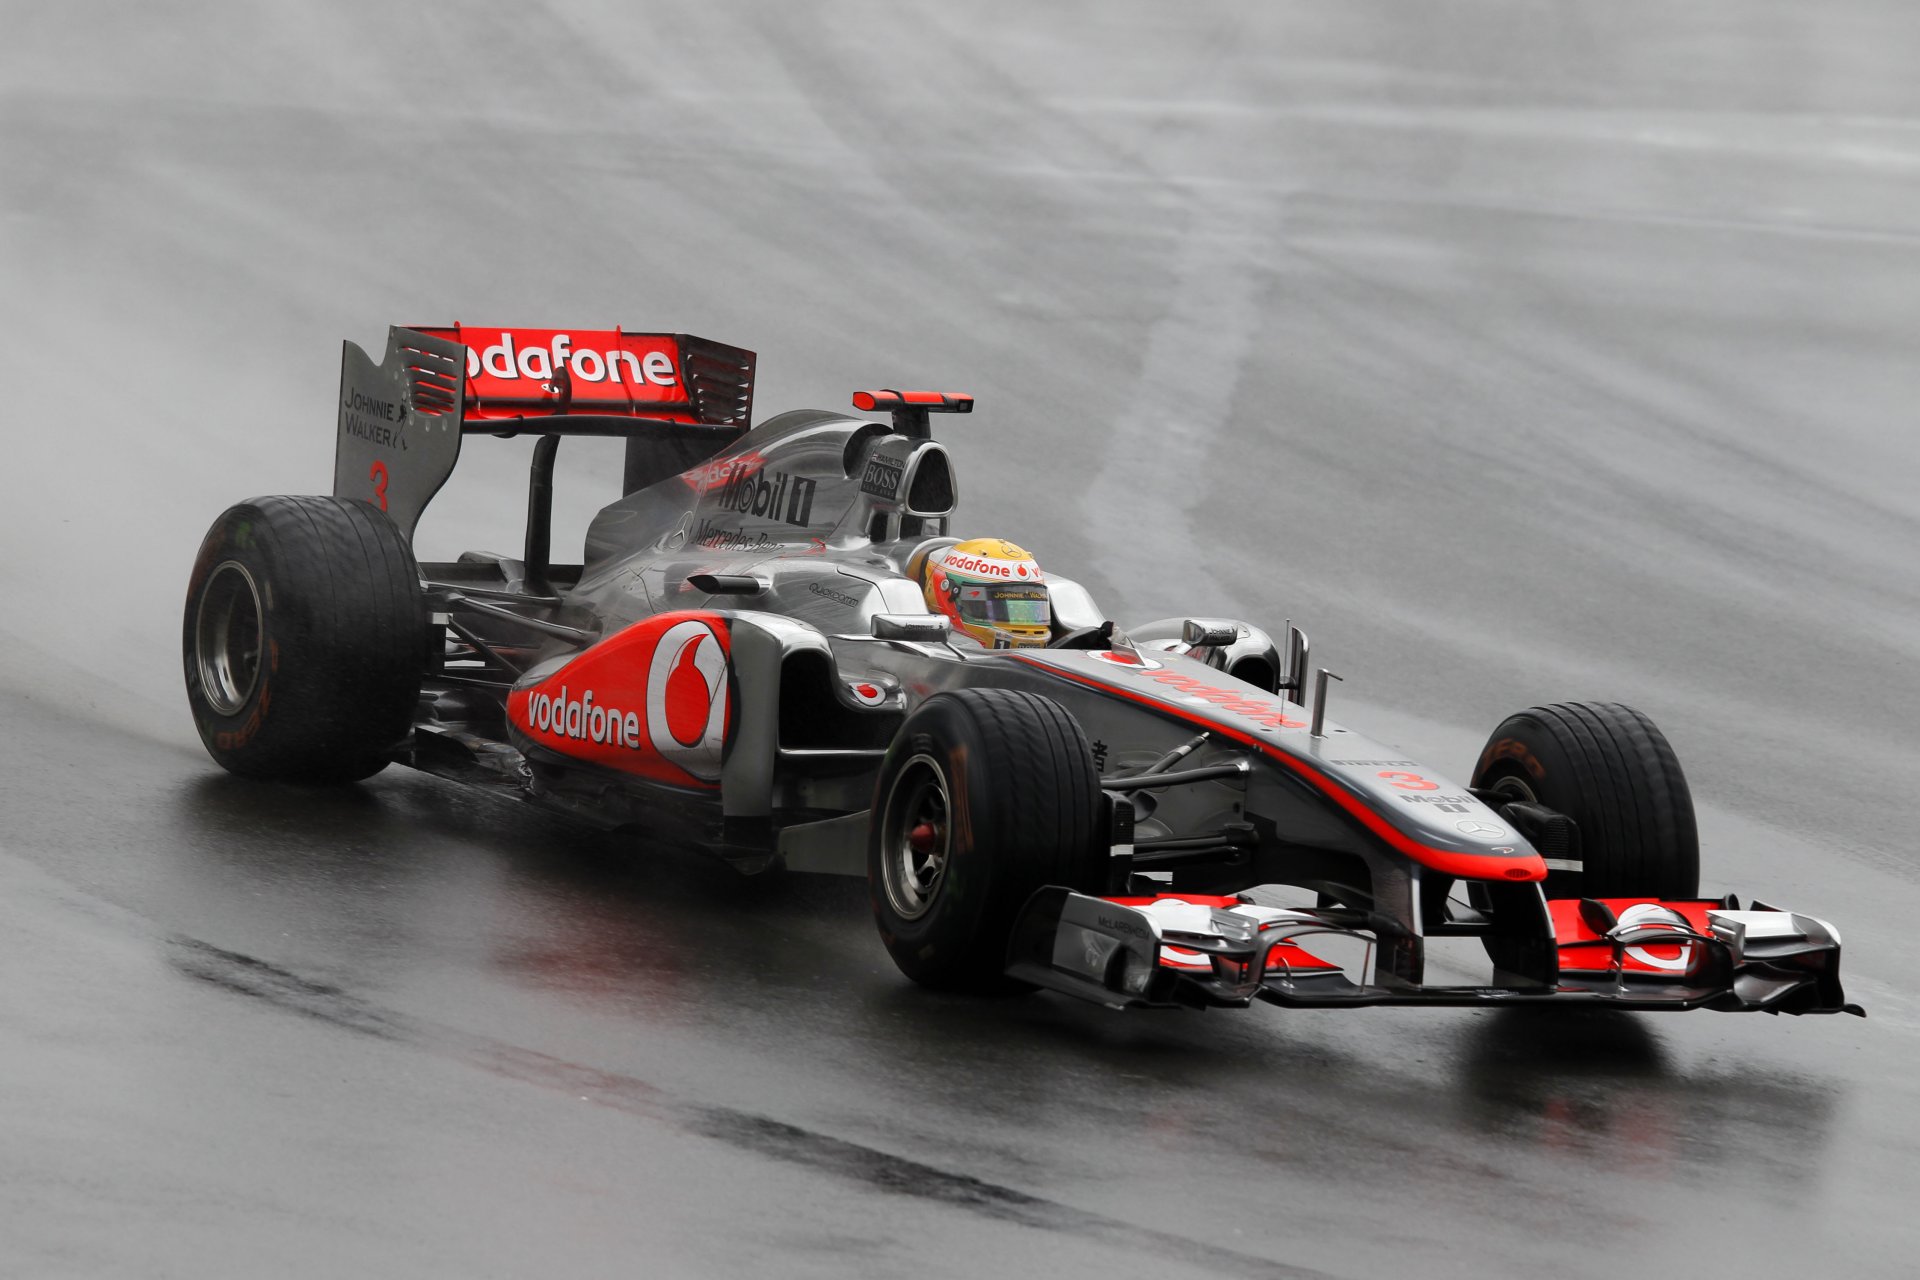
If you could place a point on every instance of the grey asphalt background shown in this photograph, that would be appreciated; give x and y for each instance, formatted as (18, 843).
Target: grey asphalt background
(1519, 351)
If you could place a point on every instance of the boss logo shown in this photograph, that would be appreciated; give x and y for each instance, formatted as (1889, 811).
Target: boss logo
(881, 479)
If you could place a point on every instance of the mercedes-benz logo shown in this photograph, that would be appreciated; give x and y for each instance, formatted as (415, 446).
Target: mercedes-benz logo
(1483, 830)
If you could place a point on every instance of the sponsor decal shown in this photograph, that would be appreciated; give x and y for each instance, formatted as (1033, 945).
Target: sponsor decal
(718, 472)
(1584, 948)
(828, 593)
(1100, 750)
(881, 478)
(718, 538)
(1581, 947)
(769, 495)
(1446, 804)
(1653, 913)
(233, 739)
(542, 351)
(1122, 925)
(1284, 957)
(1122, 658)
(1516, 750)
(986, 567)
(651, 700)
(565, 717)
(601, 369)
(687, 698)
(866, 693)
(1482, 830)
(677, 537)
(1181, 958)
(1095, 950)
(378, 422)
(1256, 710)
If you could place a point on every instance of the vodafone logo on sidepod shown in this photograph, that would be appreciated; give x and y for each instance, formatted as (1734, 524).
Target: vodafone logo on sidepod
(651, 700)
(687, 699)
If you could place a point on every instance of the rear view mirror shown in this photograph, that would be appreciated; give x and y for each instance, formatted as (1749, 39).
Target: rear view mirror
(930, 627)
(1208, 632)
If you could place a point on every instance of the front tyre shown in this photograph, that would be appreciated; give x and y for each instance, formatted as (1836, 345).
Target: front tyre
(1607, 767)
(985, 796)
(303, 639)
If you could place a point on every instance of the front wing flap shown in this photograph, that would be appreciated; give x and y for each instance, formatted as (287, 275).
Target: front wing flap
(1198, 951)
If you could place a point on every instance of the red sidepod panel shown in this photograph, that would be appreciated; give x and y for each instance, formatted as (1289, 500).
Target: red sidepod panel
(653, 700)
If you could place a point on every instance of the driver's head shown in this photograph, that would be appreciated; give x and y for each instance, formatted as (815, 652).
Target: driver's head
(992, 590)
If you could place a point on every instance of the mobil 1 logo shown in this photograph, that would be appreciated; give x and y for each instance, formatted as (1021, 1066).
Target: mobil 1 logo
(771, 495)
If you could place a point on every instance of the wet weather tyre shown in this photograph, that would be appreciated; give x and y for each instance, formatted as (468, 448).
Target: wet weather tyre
(985, 796)
(1607, 767)
(304, 639)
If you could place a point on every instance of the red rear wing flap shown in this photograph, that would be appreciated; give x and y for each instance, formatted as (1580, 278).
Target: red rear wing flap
(529, 373)
(401, 420)
(910, 408)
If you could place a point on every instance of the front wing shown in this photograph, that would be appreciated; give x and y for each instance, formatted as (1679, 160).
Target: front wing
(1197, 951)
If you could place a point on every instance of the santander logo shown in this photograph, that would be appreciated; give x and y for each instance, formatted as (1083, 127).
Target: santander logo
(652, 700)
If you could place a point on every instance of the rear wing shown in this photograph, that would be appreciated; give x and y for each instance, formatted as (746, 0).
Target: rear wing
(676, 399)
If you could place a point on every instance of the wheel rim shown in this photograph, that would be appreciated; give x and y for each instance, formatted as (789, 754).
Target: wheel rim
(226, 638)
(917, 838)
(1514, 787)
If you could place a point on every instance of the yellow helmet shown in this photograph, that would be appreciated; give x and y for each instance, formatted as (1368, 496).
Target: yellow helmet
(992, 590)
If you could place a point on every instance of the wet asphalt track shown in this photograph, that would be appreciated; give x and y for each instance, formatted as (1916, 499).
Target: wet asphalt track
(1520, 351)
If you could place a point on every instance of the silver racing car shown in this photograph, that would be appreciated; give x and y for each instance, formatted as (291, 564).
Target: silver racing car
(778, 650)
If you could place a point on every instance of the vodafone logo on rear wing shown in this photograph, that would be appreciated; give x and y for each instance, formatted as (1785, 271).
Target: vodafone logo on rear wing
(511, 372)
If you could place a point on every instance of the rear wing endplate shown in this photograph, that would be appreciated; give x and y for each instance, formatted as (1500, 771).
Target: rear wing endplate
(676, 399)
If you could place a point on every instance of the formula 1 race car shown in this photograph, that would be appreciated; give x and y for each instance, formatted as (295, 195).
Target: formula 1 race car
(777, 652)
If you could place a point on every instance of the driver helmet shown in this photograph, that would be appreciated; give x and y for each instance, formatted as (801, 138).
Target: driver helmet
(992, 590)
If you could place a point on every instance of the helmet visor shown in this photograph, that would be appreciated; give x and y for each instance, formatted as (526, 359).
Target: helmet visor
(1023, 605)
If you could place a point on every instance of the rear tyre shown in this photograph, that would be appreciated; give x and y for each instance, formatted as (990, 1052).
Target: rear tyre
(1612, 771)
(304, 639)
(985, 796)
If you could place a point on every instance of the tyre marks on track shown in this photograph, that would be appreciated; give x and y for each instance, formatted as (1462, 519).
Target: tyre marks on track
(290, 992)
